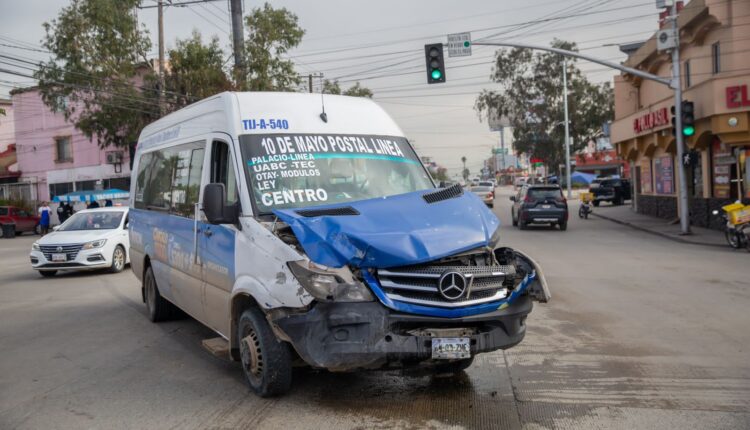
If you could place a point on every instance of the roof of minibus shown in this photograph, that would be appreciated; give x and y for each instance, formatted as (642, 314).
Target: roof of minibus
(239, 113)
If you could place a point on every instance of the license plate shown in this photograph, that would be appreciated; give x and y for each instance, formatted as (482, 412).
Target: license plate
(546, 206)
(59, 257)
(449, 348)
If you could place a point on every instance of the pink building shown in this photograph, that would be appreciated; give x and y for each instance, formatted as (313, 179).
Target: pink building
(57, 157)
(8, 166)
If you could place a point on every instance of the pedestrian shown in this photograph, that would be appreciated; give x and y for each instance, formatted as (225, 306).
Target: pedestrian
(108, 203)
(61, 212)
(44, 215)
(68, 210)
(93, 205)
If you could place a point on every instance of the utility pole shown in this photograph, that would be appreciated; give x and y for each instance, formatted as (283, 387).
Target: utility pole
(161, 56)
(309, 82)
(680, 139)
(238, 42)
(567, 128)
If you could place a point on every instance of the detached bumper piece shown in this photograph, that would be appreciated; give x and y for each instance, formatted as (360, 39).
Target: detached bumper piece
(350, 336)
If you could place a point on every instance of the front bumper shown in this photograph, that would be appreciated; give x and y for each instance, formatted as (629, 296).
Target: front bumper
(88, 259)
(350, 336)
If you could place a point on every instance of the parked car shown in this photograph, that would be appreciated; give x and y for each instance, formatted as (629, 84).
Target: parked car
(23, 220)
(519, 182)
(485, 192)
(90, 239)
(613, 190)
(536, 204)
(320, 240)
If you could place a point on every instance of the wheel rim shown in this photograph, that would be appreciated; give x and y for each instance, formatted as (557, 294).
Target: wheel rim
(119, 258)
(732, 239)
(252, 356)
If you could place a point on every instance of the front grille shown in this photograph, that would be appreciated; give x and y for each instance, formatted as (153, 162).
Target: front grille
(70, 251)
(342, 211)
(419, 284)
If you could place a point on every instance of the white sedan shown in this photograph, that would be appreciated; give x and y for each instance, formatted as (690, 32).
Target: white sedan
(90, 239)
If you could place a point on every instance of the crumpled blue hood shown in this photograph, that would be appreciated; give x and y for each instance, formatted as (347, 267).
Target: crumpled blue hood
(394, 231)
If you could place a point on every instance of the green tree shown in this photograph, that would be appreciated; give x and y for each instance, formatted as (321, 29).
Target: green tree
(196, 71)
(271, 34)
(98, 51)
(531, 96)
(333, 87)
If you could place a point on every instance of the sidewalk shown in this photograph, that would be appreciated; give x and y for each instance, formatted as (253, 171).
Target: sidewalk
(626, 216)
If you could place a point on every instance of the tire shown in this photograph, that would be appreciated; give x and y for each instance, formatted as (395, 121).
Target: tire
(37, 230)
(513, 220)
(586, 215)
(563, 226)
(490, 205)
(619, 202)
(159, 309)
(453, 367)
(522, 225)
(581, 212)
(732, 238)
(266, 361)
(596, 203)
(48, 273)
(118, 259)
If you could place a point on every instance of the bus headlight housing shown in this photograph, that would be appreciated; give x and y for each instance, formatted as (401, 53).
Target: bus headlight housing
(330, 285)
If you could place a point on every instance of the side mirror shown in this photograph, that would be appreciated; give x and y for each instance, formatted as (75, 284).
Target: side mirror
(513, 198)
(215, 205)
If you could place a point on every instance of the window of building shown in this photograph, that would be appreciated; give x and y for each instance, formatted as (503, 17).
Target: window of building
(118, 183)
(60, 189)
(63, 149)
(715, 58)
(687, 74)
(85, 185)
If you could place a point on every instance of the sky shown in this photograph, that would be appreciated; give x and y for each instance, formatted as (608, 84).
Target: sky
(381, 45)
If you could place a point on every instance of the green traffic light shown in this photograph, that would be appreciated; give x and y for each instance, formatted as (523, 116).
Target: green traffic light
(688, 130)
(436, 74)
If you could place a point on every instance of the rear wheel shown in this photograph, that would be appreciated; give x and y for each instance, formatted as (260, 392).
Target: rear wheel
(159, 309)
(563, 226)
(48, 273)
(266, 361)
(514, 220)
(522, 225)
(581, 212)
(732, 238)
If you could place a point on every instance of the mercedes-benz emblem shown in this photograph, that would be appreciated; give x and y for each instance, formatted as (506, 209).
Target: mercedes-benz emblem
(452, 285)
(59, 249)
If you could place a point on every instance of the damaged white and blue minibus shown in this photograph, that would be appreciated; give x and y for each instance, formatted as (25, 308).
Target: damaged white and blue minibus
(304, 230)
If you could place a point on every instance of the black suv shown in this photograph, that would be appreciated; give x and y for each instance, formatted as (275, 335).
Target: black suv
(612, 190)
(539, 204)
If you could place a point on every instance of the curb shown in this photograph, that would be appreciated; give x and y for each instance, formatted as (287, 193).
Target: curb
(656, 233)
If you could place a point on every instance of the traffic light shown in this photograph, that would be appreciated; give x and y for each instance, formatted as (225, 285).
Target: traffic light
(688, 118)
(435, 64)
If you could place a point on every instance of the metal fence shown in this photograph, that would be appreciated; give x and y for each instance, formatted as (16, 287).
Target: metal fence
(19, 191)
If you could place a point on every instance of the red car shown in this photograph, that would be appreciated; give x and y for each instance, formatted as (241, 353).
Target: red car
(24, 221)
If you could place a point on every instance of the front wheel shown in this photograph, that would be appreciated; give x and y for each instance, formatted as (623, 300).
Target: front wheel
(266, 361)
(563, 226)
(118, 260)
(581, 212)
(48, 273)
(159, 309)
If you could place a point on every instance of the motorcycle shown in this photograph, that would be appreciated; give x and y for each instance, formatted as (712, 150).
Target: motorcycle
(737, 225)
(586, 208)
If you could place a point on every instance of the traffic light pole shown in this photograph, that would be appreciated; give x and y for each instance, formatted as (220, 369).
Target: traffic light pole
(679, 136)
(674, 82)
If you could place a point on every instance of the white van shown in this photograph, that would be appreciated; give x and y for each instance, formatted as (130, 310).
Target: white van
(307, 233)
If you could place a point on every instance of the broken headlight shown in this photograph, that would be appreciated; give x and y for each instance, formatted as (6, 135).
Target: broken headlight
(330, 285)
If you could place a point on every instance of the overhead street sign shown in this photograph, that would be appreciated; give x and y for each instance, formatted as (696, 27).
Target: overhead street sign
(459, 44)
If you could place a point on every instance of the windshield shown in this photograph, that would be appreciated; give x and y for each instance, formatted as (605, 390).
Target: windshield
(481, 189)
(104, 220)
(545, 193)
(302, 170)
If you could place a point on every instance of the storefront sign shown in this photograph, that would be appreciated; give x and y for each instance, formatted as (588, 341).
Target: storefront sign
(723, 161)
(651, 120)
(737, 97)
(664, 175)
(646, 176)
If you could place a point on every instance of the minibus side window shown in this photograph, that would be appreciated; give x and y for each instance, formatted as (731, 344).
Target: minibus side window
(186, 181)
(142, 179)
(222, 170)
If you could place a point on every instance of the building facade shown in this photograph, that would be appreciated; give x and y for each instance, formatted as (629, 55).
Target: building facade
(56, 158)
(715, 66)
(8, 163)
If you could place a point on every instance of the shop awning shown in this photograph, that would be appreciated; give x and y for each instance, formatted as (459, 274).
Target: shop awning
(88, 196)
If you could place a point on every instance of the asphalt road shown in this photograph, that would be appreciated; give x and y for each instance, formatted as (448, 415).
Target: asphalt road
(642, 332)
